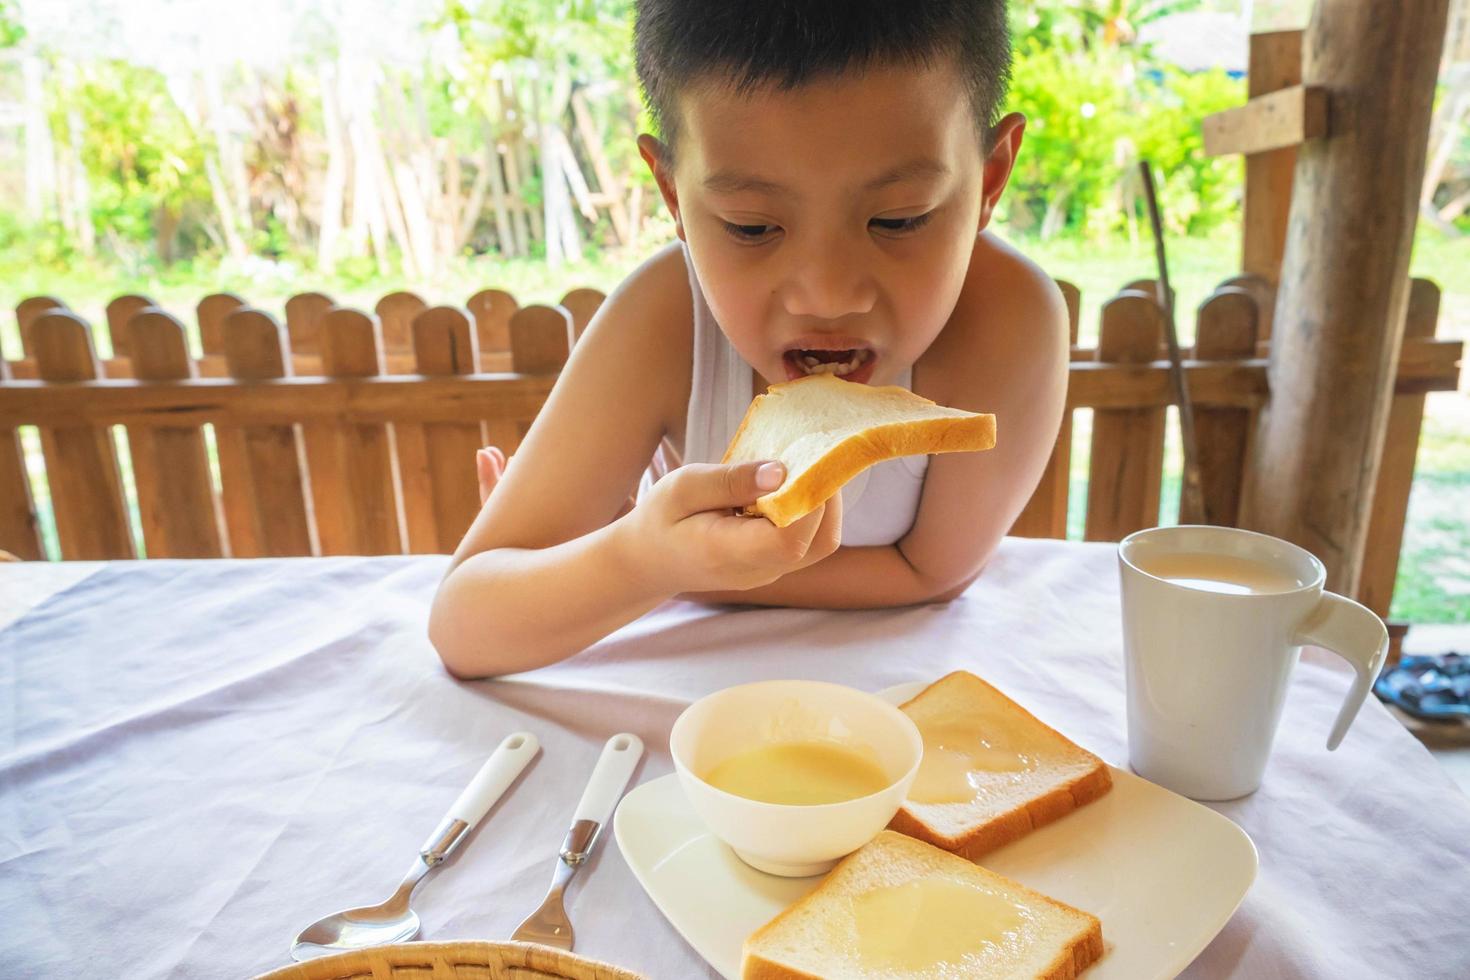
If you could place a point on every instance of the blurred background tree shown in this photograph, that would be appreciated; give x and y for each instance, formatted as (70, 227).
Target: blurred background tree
(378, 137)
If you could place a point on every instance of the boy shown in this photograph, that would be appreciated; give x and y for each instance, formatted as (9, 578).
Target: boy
(831, 166)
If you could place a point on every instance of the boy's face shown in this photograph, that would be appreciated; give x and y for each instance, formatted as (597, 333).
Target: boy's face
(831, 225)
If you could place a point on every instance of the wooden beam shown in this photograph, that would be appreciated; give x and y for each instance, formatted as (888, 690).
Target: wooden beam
(1396, 471)
(1340, 310)
(407, 398)
(1289, 117)
(304, 365)
(1275, 63)
(1426, 365)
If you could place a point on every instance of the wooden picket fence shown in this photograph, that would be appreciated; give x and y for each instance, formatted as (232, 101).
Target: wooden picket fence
(345, 432)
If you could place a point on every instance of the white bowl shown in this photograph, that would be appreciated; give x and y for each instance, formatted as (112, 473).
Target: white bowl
(793, 841)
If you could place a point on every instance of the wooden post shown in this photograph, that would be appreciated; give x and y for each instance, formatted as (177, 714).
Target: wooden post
(492, 310)
(351, 464)
(1125, 467)
(176, 501)
(20, 531)
(302, 313)
(541, 339)
(1045, 514)
(81, 461)
(444, 343)
(1340, 309)
(26, 312)
(261, 473)
(1263, 291)
(119, 312)
(1226, 331)
(396, 312)
(1275, 63)
(1396, 472)
(211, 313)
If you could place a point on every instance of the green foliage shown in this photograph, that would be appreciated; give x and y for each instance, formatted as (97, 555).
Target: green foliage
(12, 31)
(1074, 105)
(145, 164)
(1199, 193)
(1093, 111)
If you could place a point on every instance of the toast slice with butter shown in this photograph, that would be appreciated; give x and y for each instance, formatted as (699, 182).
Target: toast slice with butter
(992, 772)
(898, 907)
(827, 431)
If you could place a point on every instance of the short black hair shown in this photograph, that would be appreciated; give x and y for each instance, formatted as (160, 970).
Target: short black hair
(750, 43)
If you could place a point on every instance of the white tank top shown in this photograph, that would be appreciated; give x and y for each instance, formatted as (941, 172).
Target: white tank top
(878, 505)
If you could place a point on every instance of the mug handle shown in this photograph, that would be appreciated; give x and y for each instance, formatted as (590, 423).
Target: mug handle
(1350, 630)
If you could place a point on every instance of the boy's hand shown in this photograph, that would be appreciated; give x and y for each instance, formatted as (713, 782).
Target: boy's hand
(687, 535)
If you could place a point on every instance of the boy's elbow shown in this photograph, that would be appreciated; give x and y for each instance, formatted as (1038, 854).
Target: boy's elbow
(463, 660)
(451, 653)
(955, 589)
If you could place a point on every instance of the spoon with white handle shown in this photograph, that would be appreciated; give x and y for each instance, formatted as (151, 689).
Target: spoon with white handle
(393, 921)
(549, 924)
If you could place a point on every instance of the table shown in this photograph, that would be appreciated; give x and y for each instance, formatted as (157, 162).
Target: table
(199, 758)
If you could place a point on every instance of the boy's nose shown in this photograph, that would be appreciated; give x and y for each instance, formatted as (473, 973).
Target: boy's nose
(829, 282)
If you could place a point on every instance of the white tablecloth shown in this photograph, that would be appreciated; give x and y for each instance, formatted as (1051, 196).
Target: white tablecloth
(199, 758)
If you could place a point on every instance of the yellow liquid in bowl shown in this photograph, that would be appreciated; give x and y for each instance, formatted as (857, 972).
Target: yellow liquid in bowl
(799, 774)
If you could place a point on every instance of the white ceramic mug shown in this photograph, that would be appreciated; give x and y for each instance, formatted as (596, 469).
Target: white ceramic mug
(1207, 671)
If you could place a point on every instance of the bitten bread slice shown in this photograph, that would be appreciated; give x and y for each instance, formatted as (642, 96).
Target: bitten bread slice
(900, 908)
(992, 772)
(828, 431)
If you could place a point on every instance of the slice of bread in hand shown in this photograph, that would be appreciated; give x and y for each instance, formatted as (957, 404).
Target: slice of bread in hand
(828, 431)
(992, 772)
(900, 908)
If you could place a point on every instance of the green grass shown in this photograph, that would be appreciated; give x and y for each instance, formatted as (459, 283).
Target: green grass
(1434, 576)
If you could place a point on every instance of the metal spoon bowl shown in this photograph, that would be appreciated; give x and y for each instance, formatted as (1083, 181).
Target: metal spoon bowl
(373, 925)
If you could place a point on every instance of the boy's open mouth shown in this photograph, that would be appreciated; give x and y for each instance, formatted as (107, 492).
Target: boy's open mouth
(852, 364)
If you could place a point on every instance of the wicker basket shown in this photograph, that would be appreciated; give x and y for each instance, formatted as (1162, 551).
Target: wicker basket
(453, 961)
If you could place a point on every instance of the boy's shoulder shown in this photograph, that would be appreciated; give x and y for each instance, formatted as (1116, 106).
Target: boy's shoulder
(1003, 281)
(660, 285)
(643, 330)
(1010, 312)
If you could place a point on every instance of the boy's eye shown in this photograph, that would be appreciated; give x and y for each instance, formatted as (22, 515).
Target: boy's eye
(900, 226)
(750, 234)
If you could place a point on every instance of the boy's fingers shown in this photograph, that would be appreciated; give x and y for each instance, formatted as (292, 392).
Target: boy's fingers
(829, 533)
(764, 542)
(489, 469)
(486, 472)
(702, 487)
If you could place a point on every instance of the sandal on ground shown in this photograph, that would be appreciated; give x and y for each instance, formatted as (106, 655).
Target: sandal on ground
(1435, 688)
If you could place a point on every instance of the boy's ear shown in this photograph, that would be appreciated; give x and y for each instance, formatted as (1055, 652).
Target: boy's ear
(661, 162)
(1005, 143)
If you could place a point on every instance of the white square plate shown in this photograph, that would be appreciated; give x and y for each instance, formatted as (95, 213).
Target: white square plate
(1163, 873)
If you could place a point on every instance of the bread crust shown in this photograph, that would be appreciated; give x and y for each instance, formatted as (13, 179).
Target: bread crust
(1069, 964)
(799, 497)
(1020, 821)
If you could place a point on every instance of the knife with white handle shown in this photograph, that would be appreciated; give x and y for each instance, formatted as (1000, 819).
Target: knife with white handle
(549, 924)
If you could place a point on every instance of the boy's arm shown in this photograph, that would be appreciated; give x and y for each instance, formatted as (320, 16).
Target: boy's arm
(540, 574)
(1009, 357)
(851, 578)
(549, 566)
